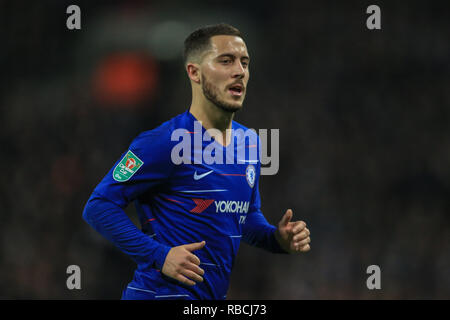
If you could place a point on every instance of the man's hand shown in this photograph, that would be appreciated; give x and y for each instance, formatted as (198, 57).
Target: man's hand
(293, 237)
(181, 264)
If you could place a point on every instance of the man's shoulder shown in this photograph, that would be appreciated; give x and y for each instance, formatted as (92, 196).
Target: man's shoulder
(160, 135)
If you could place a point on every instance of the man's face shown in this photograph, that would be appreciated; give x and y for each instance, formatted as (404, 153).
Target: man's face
(225, 72)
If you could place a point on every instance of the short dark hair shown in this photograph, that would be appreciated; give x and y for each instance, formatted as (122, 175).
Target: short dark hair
(199, 40)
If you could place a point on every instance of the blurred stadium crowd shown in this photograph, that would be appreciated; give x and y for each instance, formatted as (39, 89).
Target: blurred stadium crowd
(364, 123)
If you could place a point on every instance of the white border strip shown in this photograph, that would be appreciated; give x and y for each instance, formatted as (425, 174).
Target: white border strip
(210, 264)
(248, 161)
(133, 288)
(173, 295)
(194, 191)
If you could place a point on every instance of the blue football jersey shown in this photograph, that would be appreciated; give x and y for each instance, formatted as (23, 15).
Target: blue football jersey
(181, 203)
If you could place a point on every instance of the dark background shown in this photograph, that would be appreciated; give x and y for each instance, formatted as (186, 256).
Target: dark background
(364, 138)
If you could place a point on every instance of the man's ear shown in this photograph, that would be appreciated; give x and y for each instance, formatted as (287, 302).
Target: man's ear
(193, 71)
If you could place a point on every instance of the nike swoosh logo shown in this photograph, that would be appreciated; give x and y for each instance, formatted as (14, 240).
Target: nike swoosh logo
(198, 177)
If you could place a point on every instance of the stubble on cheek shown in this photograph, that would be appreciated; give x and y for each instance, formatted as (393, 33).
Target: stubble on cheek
(212, 93)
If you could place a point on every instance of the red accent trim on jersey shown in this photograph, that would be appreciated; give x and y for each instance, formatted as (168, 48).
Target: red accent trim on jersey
(173, 200)
(152, 219)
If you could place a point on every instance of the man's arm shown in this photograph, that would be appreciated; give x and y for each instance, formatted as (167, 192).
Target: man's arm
(288, 237)
(149, 164)
(256, 231)
(132, 175)
(111, 221)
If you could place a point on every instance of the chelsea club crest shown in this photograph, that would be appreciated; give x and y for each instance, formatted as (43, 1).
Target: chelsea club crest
(250, 174)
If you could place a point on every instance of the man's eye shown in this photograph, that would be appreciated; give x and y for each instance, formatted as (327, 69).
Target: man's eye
(226, 61)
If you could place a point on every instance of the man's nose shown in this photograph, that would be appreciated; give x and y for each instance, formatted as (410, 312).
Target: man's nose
(238, 70)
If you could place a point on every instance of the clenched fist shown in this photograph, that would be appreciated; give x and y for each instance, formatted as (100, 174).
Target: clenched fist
(293, 237)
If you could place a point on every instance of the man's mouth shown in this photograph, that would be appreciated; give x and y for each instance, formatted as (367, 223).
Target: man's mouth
(236, 90)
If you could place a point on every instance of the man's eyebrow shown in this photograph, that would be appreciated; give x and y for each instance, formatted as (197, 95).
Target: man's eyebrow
(230, 55)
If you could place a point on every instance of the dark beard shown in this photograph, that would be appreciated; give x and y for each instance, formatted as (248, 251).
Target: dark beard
(208, 91)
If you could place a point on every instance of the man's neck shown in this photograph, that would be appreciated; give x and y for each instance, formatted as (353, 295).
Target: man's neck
(213, 117)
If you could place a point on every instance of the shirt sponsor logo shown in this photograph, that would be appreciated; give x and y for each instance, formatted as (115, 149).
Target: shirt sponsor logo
(127, 167)
(221, 206)
(232, 206)
(201, 205)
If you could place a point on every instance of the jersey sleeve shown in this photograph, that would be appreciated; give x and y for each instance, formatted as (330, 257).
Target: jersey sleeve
(256, 231)
(146, 164)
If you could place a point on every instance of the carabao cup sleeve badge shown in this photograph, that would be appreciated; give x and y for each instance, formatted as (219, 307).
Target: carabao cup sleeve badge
(250, 174)
(127, 167)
